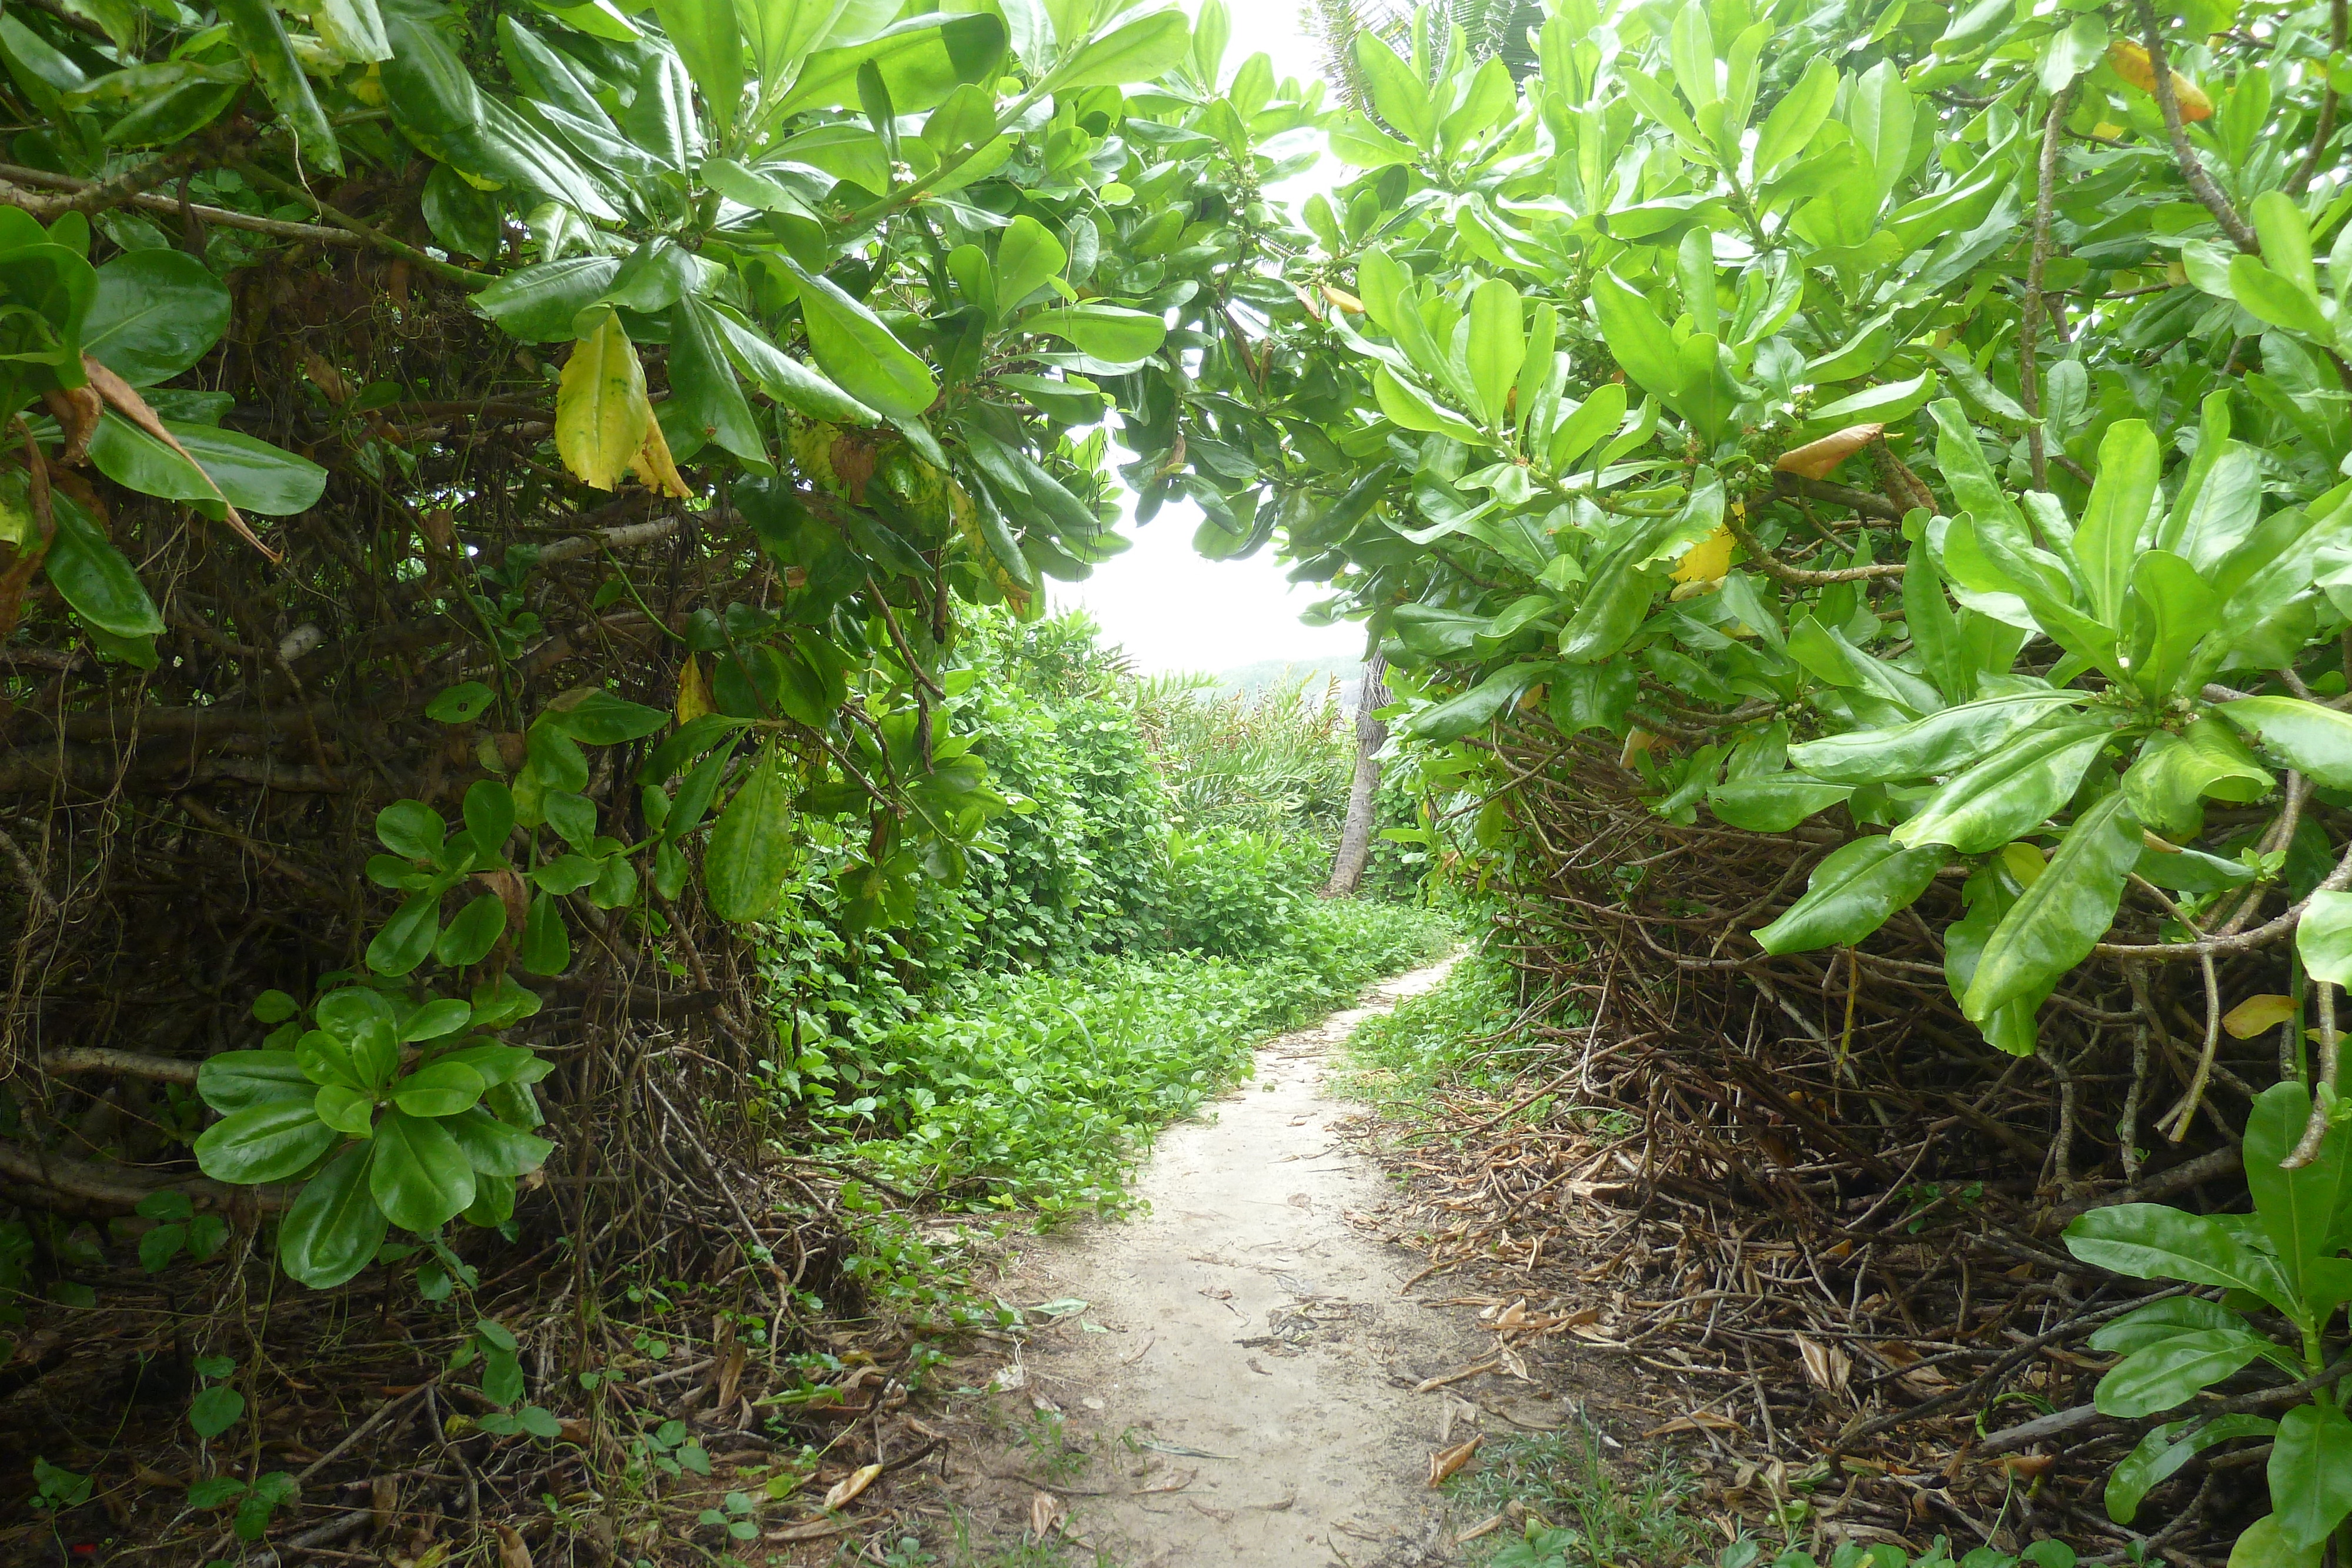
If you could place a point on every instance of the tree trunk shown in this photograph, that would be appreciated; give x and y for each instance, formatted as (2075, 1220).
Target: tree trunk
(1356, 833)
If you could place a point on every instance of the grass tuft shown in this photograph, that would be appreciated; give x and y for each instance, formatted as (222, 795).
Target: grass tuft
(1579, 1510)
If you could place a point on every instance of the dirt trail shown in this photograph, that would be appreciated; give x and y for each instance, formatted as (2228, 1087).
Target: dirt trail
(1245, 1319)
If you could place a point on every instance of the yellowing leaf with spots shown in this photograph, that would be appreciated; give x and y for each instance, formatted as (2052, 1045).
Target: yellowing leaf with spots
(1707, 560)
(601, 413)
(2132, 63)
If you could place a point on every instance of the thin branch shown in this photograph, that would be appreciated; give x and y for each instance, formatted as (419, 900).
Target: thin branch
(367, 232)
(2301, 180)
(2036, 304)
(2192, 168)
(13, 176)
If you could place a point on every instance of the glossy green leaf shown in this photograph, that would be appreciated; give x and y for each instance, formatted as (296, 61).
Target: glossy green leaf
(2169, 1374)
(538, 303)
(440, 1088)
(2106, 544)
(1943, 742)
(859, 354)
(2011, 792)
(268, 1142)
(705, 35)
(241, 1080)
(751, 847)
(334, 1228)
(1773, 804)
(1109, 332)
(269, 55)
(2311, 1473)
(155, 314)
(2152, 1241)
(2161, 1321)
(495, 1149)
(468, 938)
(921, 60)
(2054, 923)
(94, 577)
(1498, 346)
(1399, 96)
(2165, 1449)
(2264, 1545)
(2313, 741)
(1852, 893)
(404, 940)
(420, 1177)
(1141, 49)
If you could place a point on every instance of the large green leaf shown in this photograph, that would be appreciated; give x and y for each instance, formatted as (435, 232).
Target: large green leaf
(420, 1177)
(859, 353)
(538, 303)
(2054, 923)
(253, 475)
(750, 846)
(2323, 938)
(2168, 781)
(2162, 1319)
(2106, 545)
(1103, 331)
(2011, 792)
(1943, 742)
(269, 55)
(495, 1149)
(1399, 96)
(334, 1228)
(1773, 804)
(2311, 1473)
(2304, 1211)
(1141, 49)
(705, 35)
(2165, 1449)
(2313, 741)
(1498, 346)
(94, 577)
(241, 1080)
(2153, 1241)
(155, 314)
(1851, 894)
(268, 1142)
(2171, 1371)
(921, 60)
(702, 382)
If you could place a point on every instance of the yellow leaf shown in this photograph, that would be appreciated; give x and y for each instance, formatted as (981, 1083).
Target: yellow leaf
(1342, 301)
(601, 413)
(652, 464)
(2132, 63)
(693, 695)
(2024, 862)
(2258, 1015)
(1707, 560)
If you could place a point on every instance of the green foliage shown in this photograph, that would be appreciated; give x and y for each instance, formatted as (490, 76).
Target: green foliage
(1033, 1091)
(1398, 1058)
(2044, 1554)
(1274, 760)
(1623, 320)
(2288, 1257)
(1581, 1510)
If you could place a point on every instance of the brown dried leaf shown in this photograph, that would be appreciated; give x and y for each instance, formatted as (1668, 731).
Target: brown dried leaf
(1696, 1421)
(728, 1378)
(77, 410)
(512, 1552)
(326, 378)
(124, 400)
(1045, 1512)
(1446, 1463)
(1826, 1366)
(1819, 459)
(847, 1489)
(384, 1502)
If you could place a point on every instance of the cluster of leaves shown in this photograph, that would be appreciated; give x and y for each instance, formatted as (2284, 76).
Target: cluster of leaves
(2282, 1266)
(1622, 322)
(858, 287)
(2056, 291)
(1034, 1092)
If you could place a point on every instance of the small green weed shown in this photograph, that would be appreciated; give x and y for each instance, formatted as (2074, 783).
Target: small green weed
(1051, 1451)
(1396, 1061)
(1581, 1513)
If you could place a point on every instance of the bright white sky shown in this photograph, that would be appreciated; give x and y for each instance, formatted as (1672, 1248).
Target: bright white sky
(1169, 608)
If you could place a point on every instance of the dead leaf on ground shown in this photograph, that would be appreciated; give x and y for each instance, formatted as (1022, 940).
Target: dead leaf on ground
(384, 1502)
(846, 1489)
(1045, 1512)
(1464, 1375)
(1696, 1421)
(512, 1552)
(1446, 1462)
(1826, 1366)
(1487, 1526)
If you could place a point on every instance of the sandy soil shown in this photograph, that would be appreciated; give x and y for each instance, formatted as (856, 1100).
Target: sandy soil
(1241, 1373)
